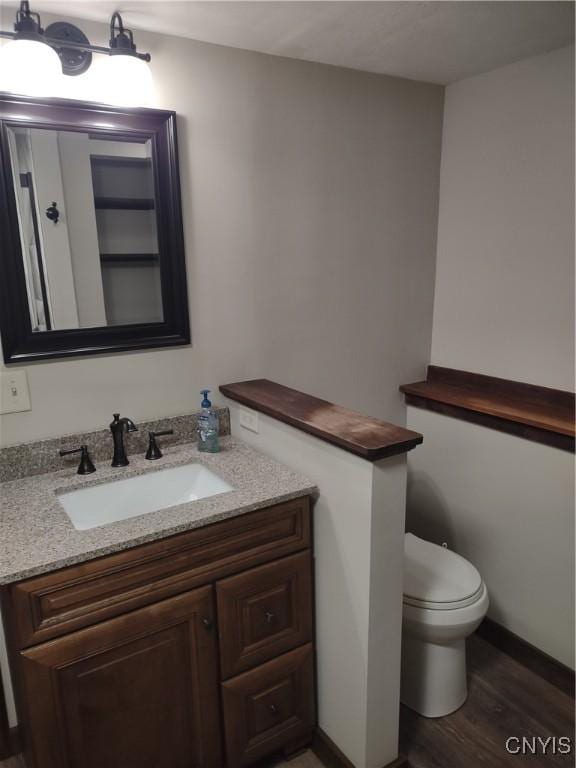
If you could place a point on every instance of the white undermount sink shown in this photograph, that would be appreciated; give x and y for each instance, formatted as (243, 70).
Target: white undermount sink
(121, 499)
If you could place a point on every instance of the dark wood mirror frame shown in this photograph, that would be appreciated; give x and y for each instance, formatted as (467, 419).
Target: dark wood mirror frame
(19, 343)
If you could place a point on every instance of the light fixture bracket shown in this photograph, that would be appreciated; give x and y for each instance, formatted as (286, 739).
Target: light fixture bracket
(121, 39)
(27, 25)
(75, 61)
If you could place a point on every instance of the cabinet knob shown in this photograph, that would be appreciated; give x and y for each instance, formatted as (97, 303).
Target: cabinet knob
(273, 709)
(207, 623)
(270, 616)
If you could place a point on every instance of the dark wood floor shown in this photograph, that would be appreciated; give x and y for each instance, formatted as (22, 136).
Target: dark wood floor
(306, 760)
(505, 699)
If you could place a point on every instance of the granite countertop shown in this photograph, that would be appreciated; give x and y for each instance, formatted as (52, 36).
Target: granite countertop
(36, 535)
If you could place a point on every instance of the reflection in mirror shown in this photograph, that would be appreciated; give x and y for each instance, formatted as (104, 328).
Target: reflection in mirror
(87, 218)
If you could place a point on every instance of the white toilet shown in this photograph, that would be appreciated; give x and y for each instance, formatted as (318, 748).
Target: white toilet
(445, 600)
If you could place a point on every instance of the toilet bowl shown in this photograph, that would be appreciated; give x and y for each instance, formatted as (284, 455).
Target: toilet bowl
(445, 600)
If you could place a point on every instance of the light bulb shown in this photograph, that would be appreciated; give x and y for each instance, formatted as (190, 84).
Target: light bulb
(30, 68)
(126, 81)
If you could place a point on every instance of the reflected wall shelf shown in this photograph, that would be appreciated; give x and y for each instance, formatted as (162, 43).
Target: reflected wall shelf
(124, 203)
(137, 259)
(117, 161)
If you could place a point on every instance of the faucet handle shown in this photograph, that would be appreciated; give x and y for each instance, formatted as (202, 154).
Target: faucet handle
(86, 467)
(153, 451)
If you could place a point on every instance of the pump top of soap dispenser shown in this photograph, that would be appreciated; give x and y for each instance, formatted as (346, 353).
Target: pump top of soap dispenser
(205, 402)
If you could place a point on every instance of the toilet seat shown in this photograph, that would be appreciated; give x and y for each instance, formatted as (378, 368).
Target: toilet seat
(445, 619)
(435, 578)
(446, 606)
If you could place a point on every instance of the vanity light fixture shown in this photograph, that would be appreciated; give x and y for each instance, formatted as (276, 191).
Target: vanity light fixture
(34, 60)
(29, 65)
(125, 66)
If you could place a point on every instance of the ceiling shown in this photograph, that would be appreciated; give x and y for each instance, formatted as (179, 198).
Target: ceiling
(438, 42)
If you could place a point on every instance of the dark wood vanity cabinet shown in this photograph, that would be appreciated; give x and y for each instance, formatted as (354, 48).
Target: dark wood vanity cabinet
(183, 653)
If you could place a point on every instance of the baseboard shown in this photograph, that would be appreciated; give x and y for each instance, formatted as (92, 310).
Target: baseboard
(10, 743)
(333, 757)
(528, 655)
(400, 762)
(15, 740)
(327, 752)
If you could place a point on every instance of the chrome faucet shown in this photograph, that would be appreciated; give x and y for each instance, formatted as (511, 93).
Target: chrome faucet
(118, 427)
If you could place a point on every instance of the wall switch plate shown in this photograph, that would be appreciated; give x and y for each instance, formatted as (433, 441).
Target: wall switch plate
(14, 392)
(249, 420)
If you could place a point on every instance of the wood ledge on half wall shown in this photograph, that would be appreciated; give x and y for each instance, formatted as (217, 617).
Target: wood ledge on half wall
(369, 438)
(535, 413)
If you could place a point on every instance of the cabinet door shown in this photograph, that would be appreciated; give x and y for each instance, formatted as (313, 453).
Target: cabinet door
(138, 691)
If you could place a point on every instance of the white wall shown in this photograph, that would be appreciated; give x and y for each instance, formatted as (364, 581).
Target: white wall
(506, 505)
(310, 210)
(504, 307)
(505, 264)
(74, 150)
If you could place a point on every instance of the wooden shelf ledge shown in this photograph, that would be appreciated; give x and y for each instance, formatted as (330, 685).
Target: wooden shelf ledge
(363, 436)
(123, 259)
(536, 413)
(121, 161)
(102, 203)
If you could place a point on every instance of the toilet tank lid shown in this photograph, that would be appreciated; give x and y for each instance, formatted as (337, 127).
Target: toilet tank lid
(436, 574)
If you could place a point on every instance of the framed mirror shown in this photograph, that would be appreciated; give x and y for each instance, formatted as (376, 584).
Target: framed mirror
(91, 241)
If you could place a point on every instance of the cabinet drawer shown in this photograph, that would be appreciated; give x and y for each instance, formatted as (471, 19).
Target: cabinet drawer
(269, 707)
(264, 612)
(54, 604)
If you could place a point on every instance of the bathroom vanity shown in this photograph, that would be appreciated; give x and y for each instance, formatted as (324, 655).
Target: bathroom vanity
(188, 643)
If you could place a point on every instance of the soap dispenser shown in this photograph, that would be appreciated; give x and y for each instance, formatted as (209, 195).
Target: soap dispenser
(208, 426)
